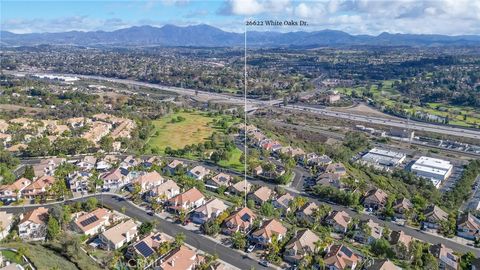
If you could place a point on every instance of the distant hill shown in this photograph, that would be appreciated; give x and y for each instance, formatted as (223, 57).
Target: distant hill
(208, 36)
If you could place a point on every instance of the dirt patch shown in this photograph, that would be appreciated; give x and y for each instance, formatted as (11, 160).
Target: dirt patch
(362, 109)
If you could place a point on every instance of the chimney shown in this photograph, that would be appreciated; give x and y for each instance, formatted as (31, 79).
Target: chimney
(172, 262)
(127, 235)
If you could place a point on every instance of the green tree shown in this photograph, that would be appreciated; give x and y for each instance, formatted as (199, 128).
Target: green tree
(145, 228)
(90, 204)
(239, 240)
(179, 239)
(53, 228)
(29, 172)
(106, 144)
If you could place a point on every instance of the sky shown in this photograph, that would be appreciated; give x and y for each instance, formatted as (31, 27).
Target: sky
(448, 17)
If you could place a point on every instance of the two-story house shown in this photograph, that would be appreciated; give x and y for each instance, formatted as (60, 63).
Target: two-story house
(120, 234)
(240, 221)
(264, 234)
(13, 191)
(468, 226)
(186, 201)
(211, 209)
(303, 243)
(339, 220)
(33, 224)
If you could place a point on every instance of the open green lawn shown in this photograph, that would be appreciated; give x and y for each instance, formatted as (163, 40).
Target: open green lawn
(11, 256)
(234, 161)
(195, 129)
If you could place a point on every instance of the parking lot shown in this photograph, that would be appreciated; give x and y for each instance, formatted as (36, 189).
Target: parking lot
(472, 204)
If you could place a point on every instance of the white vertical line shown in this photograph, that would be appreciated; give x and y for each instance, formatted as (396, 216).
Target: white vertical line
(245, 118)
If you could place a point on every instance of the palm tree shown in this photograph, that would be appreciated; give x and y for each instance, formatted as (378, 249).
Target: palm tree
(323, 243)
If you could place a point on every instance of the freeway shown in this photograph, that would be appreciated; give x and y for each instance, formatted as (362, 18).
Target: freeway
(116, 202)
(253, 104)
(393, 122)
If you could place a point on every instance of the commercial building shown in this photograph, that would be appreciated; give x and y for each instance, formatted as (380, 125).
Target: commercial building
(384, 158)
(434, 169)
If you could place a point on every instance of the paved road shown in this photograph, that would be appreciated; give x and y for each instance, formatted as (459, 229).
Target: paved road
(394, 122)
(253, 104)
(199, 241)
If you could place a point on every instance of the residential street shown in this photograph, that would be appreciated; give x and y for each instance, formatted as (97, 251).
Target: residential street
(295, 190)
(199, 241)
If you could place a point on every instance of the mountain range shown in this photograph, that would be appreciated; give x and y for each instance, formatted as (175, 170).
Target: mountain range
(208, 36)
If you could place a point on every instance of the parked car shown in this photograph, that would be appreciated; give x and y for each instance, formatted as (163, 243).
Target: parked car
(250, 248)
(263, 263)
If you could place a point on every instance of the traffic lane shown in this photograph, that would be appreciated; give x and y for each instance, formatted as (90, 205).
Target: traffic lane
(196, 240)
(418, 234)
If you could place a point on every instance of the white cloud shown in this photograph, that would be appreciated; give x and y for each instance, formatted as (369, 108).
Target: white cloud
(246, 7)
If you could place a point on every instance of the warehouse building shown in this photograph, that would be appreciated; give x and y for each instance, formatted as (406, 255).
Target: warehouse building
(383, 158)
(434, 169)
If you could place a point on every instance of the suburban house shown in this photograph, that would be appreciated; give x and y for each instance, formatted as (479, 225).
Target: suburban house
(115, 178)
(271, 227)
(397, 239)
(283, 202)
(240, 188)
(261, 195)
(401, 207)
(468, 226)
(292, 152)
(164, 191)
(198, 172)
(241, 220)
(257, 170)
(368, 231)
(6, 222)
(340, 257)
(186, 201)
(118, 235)
(146, 246)
(38, 187)
(384, 264)
(305, 213)
(93, 222)
(87, 163)
(172, 166)
(47, 166)
(129, 161)
(79, 181)
(33, 224)
(181, 258)
(221, 179)
(445, 257)
(375, 199)
(149, 180)
(433, 216)
(320, 161)
(337, 168)
(339, 220)
(211, 209)
(301, 244)
(12, 191)
(330, 180)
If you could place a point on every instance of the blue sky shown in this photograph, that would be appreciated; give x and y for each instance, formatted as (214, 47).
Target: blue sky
(452, 17)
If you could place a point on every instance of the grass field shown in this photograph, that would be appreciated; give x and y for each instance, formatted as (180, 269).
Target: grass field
(234, 161)
(11, 257)
(193, 130)
(44, 259)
